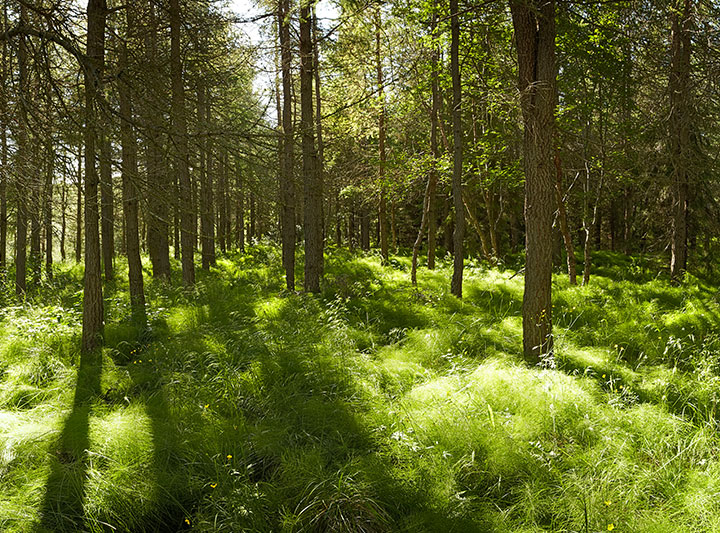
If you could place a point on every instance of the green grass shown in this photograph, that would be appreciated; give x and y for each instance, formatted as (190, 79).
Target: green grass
(373, 406)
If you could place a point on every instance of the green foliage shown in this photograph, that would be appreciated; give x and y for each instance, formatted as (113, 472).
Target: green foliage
(374, 406)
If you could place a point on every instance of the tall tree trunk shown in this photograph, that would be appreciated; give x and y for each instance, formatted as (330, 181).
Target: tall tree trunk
(107, 227)
(220, 200)
(22, 161)
(434, 147)
(382, 133)
(318, 122)
(63, 218)
(534, 23)
(4, 171)
(79, 207)
(459, 232)
(35, 199)
(429, 215)
(313, 180)
(92, 295)
(207, 225)
(157, 175)
(418, 239)
(187, 237)
(680, 126)
(564, 227)
(130, 186)
(240, 209)
(48, 208)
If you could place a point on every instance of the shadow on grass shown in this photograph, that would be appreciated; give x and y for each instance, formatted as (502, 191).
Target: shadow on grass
(62, 506)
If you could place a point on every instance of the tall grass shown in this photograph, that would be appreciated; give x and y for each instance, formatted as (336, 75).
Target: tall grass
(374, 406)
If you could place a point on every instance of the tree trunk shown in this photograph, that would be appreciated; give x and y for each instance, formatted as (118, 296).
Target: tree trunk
(187, 233)
(21, 158)
(459, 232)
(47, 210)
(130, 186)
(382, 133)
(313, 180)
(4, 170)
(157, 175)
(220, 201)
(79, 209)
(287, 182)
(240, 209)
(418, 239)
(318, 124)
(107, 227)
(564, 227)
(434, 146)
(63, 218)
(207, 225)
(680, 126)
(35, 200)
(534, 23)
(92, 295)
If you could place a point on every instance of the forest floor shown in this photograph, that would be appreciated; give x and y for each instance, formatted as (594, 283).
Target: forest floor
(370, 407)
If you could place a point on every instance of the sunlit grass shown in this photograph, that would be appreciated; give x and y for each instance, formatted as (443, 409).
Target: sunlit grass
(374, 406)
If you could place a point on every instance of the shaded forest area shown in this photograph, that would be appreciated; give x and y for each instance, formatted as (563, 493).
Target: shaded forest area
(387, 266)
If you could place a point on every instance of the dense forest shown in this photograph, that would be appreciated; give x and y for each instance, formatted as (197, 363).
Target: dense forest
(385, 266)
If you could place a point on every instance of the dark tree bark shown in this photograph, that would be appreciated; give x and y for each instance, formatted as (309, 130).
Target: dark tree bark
(318, 123)
(35, 201)
(79, 208)
(313, 181)
(364, 227)
(207, 224)
(459, 231)
(157, 177)
(47, 210)
(429, 214)
(107, 202)
(680, 126)
(3, 151)
(130, 186)
(240, 209)
(382, 134)
(92, 295)
(534, 23)
(187, 237)
(220, 195)
(21, 164)
(435, 150)
(564, 227)
(63, 218)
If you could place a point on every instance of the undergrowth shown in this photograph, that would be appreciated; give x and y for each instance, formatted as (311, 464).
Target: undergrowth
(374, 406)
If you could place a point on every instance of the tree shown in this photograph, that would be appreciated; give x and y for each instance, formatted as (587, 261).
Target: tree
(313, 180)
(180, 142)
(130, 177)
(93, 69)
(457, 188)
(287, 183)
(680, 129)
(534, 23)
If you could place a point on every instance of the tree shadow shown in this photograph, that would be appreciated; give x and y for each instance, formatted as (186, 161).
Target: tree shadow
(62, 505)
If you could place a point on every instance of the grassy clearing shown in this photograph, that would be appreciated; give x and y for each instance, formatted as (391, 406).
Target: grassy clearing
(372, 407)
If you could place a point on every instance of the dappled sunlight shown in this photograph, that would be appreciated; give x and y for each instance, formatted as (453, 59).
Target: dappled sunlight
(245, 406)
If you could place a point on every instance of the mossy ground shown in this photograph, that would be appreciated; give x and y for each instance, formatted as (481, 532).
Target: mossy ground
(373, 406)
